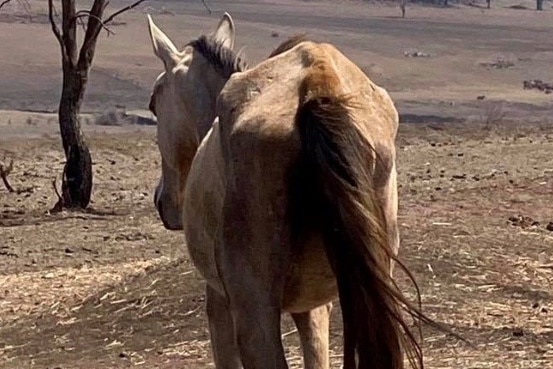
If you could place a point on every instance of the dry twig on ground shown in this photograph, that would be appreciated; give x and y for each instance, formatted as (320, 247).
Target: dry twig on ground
(4, 172)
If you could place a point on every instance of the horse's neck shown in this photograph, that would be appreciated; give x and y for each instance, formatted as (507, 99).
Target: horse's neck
(214, 84)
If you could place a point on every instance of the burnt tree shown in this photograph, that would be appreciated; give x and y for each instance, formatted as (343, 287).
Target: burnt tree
(402, 7)
(76, 63)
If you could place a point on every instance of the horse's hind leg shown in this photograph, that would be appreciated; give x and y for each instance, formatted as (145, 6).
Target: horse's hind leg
(253, 280)
(221, 328)
(254, 291)
(257, 323)
(313, 328)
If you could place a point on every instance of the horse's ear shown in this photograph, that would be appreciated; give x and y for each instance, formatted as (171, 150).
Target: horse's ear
(225, 31)
(163, 46)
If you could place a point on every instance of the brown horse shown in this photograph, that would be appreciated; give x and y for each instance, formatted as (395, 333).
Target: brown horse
(288, 199)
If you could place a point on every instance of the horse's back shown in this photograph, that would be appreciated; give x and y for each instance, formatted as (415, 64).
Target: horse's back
(270, 92)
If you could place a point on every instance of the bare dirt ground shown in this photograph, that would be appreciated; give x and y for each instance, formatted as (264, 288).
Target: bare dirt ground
(111, 288)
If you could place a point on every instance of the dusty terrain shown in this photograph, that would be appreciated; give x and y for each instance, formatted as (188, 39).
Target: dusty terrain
(111, 288)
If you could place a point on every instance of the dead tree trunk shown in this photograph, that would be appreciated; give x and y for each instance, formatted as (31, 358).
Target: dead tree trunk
(539, 4)
(77, 181)
(77, 173)
(76, 64)
(402, 7)
(77, 177)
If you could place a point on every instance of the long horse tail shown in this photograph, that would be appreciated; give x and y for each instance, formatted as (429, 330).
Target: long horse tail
(335, 181)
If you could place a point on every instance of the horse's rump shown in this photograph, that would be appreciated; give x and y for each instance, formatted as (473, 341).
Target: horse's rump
(301, 136)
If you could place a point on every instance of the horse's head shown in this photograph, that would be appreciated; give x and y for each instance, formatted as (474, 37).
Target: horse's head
(183, 100)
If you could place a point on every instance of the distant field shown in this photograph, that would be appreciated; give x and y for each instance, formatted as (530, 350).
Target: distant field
(465, 46)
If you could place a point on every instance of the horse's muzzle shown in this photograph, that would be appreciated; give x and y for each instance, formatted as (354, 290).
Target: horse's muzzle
(171, 218)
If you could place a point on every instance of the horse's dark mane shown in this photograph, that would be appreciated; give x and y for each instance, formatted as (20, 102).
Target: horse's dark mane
(226, 61)
(223, 59)
(288, 44)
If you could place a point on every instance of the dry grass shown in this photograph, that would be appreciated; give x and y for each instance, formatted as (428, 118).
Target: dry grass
(111, 288)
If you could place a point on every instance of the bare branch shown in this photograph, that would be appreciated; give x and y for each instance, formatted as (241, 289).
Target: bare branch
(26, 6)
(4, 172)
(24, 3)
(206, 6)
(80, 22)
(82, 12)
(4, 3)
(63, 198)
(86, 13)
(120, 11)
(69, 32)
(93, 28)
(58, 206)
(55, 28)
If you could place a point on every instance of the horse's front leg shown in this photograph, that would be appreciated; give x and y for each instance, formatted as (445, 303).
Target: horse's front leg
(313, 328)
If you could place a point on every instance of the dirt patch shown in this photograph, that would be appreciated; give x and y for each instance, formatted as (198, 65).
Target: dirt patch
(112, 288)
